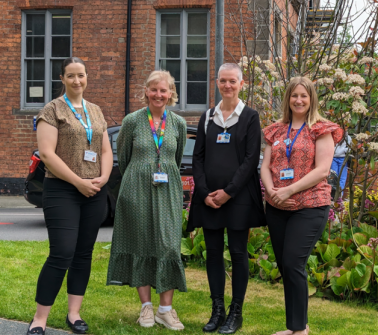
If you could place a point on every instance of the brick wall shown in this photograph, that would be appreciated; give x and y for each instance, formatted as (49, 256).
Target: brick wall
(99, 38)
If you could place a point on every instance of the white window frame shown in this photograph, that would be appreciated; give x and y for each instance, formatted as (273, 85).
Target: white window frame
(183, 106)
(47, 54)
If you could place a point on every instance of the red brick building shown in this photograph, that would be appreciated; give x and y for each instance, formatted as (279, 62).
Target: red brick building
(178, 35)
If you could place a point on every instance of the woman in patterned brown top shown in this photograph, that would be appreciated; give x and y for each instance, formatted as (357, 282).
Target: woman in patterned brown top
(74, 145)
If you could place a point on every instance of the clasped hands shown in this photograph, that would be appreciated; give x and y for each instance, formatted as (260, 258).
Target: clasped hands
(90, 187)
(281, 196)
(217, 198)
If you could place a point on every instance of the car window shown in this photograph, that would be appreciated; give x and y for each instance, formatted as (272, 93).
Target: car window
(114, 142)
(189, 147)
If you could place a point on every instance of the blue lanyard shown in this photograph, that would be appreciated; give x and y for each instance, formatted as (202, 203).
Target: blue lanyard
(88, 126)
(290, 147)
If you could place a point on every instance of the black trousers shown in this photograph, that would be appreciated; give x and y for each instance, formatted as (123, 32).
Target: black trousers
(72, 222)
(294, 235)
(237, 243)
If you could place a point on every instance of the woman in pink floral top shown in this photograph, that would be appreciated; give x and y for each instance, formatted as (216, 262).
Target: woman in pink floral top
(297, 160)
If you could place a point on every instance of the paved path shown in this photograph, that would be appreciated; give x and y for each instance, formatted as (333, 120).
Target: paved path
(8, 327)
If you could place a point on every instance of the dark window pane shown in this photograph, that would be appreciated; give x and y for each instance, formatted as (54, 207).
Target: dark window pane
(55, 89)
(35, 24)
(56, 66)
(178, 91)
(35, 91)
(173, 66)
(197, 24)
(197, 70)
(61, 25)
(197, 46)
(35, 70)
(196, 93)
(60, 47)
(170, 47)
(170, 24)
(35, 47)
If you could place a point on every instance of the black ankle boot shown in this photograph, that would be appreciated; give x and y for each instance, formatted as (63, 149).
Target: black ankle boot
(234, 320)
(217, 316)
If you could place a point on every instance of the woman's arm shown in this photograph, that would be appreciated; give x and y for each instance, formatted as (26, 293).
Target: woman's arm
(323, 159)
(265, 173)
(106, 162)
(47, 138)
(125, 142)
(202, 191)
(181, 142)
(266, 176)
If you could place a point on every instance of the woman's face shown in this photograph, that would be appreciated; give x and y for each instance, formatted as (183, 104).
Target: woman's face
(75, 78)
(158, 94)
(300, 101)
(228, 84)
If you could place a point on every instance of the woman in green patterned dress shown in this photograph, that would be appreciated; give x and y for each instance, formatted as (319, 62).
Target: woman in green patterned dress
(147, 228)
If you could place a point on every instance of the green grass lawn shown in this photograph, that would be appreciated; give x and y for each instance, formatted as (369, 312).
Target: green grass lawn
(114, 310)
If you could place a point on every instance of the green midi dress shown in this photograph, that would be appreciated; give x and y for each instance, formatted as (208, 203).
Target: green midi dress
(148, 220)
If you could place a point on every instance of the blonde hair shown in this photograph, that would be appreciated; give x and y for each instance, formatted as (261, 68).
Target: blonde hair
(157, 76)
(313, 115)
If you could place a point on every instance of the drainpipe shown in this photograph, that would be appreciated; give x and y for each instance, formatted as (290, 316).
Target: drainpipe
(219, 42)
(128, 42)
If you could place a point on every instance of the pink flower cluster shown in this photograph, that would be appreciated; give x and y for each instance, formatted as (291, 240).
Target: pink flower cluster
(331, 215)
(368, 203)
(373, 243)
(339, 205)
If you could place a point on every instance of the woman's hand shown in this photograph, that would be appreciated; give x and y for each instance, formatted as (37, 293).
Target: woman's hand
(99, 181)
(209, 201)
(86, 187)
(280, 196)
(220, 197)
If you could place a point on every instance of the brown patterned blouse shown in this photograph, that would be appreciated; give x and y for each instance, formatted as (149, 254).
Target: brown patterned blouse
(302, 160)
(72, 138)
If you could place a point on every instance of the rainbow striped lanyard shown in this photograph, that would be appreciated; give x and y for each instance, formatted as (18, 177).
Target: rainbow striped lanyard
(158, 141)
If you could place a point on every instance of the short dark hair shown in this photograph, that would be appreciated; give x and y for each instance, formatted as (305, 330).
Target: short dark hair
(67, 62)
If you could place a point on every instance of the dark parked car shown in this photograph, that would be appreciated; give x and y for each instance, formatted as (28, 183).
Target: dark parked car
(34, 180)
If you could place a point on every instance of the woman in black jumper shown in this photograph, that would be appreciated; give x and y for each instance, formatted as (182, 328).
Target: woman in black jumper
(227, 193)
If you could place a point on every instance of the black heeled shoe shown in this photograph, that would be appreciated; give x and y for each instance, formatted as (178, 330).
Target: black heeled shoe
(218, 315)
(35, 330)
(78, 327)
(234, 320)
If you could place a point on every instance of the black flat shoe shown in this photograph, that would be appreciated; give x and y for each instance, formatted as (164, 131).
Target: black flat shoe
(79, 327)
(35, 330)
(234, 320)
(218, 315)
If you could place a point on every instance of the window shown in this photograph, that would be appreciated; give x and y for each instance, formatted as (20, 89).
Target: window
(46, 42)
(183, 50)
(277, 37)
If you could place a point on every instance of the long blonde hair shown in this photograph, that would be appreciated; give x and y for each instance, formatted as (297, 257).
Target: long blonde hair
(157, 76)
(313, 115)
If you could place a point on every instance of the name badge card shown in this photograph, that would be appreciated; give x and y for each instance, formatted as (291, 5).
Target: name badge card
(160, 177)
(287, 174)
(224, 138)
(90, 156)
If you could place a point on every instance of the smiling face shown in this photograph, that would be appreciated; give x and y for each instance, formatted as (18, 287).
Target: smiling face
(300, 101)
(158, 94)
(74, 78)
(228, 84)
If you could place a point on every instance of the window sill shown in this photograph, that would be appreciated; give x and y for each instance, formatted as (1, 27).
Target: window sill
(188, 113)
(26, 111)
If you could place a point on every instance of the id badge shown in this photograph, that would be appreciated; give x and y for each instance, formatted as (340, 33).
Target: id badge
(287, 141)
(159, 178)
(287, 174)
(90, 156)
(224, 138)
